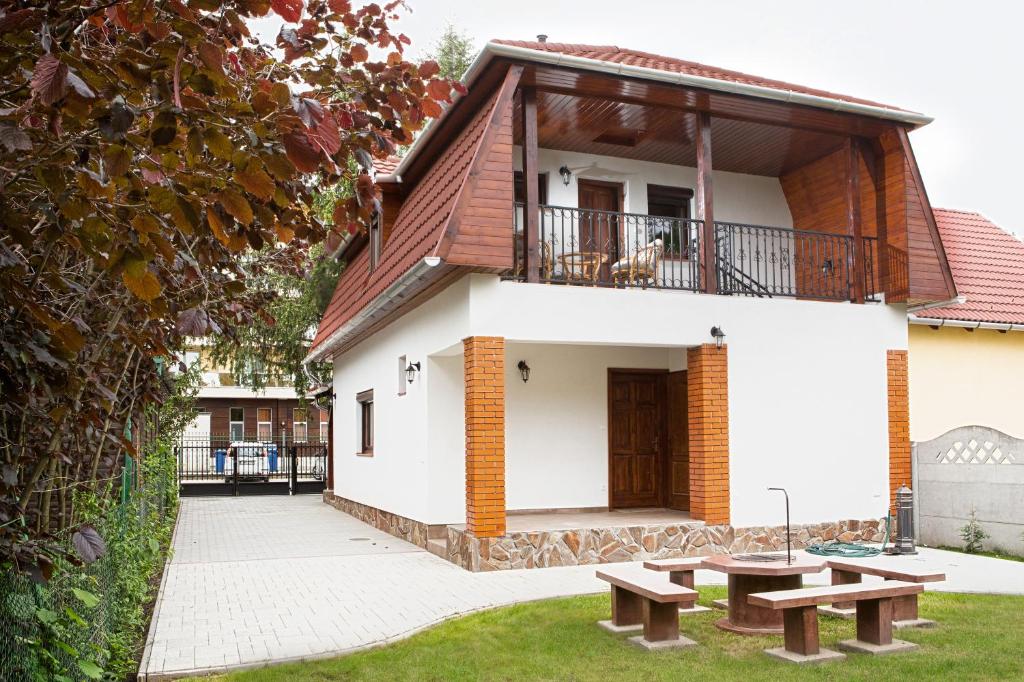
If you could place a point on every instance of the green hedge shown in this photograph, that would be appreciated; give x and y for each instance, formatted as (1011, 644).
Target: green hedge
(88, 622)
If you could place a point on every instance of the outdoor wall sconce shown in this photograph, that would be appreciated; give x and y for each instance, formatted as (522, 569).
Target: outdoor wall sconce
(566, 175)
(410, 371)
(719, 336)
(524, 370)
(827, 268)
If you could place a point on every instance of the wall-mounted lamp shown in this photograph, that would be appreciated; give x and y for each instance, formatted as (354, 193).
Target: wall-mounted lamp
(524, 370)
(719, 336)
(566, 175)
(827, 268)
(410, 371)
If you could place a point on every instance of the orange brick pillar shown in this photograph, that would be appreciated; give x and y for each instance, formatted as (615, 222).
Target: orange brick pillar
(485, 435)
(707, 393)
(899, 422)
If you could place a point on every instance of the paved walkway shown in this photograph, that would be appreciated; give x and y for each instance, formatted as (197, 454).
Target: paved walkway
(256, 580)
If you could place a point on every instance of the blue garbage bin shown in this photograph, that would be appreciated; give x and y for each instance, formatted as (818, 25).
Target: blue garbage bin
(272, 458)
(220, 456)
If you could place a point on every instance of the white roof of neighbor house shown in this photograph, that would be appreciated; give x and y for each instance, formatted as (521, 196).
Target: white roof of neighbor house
(270, 392)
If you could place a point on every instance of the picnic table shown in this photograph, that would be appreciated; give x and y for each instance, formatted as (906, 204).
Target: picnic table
(752, 576)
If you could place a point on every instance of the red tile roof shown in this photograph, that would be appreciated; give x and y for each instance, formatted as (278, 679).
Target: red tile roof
(618, 55)
(988, 268)
(386, 166)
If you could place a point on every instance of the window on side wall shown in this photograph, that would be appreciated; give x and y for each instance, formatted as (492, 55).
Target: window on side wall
(325, 426)
(376, 240)
(236, 424)
(364, 402)
(299, 431)
(264, 424)
(401, 375)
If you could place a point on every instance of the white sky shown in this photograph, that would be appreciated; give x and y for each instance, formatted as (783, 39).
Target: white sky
(959, 62)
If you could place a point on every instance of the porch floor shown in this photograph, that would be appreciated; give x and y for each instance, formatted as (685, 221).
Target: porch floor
(572, 520)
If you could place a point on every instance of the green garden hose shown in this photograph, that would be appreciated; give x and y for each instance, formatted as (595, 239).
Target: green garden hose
(849, 550)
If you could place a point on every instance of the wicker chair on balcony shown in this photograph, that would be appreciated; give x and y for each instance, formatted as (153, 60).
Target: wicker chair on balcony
(547, 260)
(640, 268)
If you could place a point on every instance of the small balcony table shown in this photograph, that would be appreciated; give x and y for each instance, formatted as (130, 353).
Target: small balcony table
(748, 577)
(582, 266)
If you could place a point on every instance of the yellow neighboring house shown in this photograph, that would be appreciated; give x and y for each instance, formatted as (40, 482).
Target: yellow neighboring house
(966, 360)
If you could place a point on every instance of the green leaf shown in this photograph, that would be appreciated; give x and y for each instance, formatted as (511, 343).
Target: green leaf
(88, 598)
(46, 616)
(74, 617)
(90, 670)
(154, 545)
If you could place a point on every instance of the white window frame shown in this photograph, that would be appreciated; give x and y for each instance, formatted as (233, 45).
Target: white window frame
(402, 383)
(269, 423)
(304, 422)
(325, 425)
(232, 423)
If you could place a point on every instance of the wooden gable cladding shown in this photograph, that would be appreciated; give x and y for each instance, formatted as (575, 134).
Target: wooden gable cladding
(893, 207)
(426, 222)
(479, 231)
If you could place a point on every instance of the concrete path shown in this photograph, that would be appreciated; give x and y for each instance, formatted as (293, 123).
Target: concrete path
(258, 580)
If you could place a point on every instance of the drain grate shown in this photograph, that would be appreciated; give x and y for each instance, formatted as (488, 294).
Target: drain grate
(359, 539)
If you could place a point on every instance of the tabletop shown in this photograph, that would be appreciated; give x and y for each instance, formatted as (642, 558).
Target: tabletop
(726, 563)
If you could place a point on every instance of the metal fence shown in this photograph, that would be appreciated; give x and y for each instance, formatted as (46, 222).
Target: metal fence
(220, 465)
(90, 615)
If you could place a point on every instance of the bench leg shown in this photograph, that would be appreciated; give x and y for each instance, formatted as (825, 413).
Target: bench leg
(874, 629)
(801, 638)
(844, 578)
(661, 626)
(801, 626)
(905, 615)
(685, 578)
(626, 607)
(627, 612)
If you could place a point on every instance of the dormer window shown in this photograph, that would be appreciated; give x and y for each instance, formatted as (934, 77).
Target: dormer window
(376, 240)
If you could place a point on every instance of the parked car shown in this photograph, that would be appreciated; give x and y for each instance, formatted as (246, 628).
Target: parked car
(251, 459)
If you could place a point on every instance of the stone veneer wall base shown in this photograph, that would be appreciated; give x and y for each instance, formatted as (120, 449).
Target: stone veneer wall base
(541, 549)
(394, 524)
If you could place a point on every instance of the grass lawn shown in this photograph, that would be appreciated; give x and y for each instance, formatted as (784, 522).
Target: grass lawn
(978, 638)
(995, 554)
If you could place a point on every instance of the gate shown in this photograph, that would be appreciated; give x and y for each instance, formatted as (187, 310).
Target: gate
(216, 465)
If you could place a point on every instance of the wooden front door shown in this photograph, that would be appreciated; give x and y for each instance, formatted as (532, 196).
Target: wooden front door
(677, 476)
(599, 230)
(636, 419)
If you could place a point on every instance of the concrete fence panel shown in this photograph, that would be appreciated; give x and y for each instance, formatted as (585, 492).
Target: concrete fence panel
(970, 467)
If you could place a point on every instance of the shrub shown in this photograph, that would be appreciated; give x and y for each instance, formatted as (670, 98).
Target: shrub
(973, 534)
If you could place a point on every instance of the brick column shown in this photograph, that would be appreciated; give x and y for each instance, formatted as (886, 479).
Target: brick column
(485, 435)
(707, 393)
(899, 422)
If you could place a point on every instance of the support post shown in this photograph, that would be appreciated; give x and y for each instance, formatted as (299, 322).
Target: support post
(853, 219)
(705, 202)
(531, 212)
(484, 358)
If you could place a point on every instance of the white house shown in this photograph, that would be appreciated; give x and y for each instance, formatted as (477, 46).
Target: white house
(612, 297)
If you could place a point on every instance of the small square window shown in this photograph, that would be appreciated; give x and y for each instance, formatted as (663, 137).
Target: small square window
(402, 382)
(364, 401)
(236, 424)
(299, 432)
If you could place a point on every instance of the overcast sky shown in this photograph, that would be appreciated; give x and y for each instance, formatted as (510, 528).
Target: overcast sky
(959, 62)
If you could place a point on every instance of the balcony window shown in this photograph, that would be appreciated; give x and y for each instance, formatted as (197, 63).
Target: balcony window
(672, 204)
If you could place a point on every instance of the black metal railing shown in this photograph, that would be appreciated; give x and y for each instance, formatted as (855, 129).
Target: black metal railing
(608, 248)
(220, 465)
(757, 260)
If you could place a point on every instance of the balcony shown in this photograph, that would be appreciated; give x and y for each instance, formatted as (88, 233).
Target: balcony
(587, 247)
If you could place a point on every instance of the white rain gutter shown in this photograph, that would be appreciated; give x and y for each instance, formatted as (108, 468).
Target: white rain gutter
(492, 50)
(401, 284)
(965, 324)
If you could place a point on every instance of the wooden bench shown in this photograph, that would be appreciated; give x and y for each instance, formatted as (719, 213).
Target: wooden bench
(680, 572)
(800, 619)
(646, 600)
(905, 614)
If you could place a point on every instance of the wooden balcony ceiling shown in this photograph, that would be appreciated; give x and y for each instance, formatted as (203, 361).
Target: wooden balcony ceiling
(665, 135)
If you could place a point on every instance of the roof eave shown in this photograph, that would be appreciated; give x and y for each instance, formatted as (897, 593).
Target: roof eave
(496, 50)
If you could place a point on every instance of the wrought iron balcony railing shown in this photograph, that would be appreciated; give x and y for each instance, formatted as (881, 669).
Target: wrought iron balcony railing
(606, 248)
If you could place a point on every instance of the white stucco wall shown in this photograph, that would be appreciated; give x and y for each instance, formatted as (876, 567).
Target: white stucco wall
(738, 197)
(396, 477)
(807, 386)
(556, 425)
